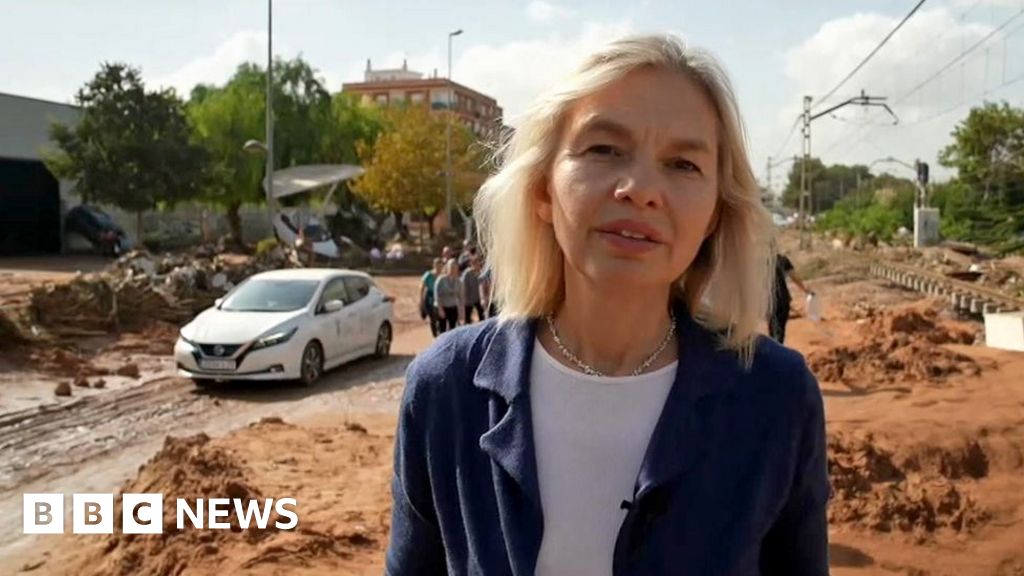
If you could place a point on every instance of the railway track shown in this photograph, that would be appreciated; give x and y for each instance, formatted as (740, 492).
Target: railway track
(963, 296)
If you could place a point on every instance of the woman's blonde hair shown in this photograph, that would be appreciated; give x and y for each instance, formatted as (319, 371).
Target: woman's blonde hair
(727, 287)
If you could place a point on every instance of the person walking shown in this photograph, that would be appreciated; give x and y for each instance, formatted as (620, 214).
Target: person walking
(487, 292)
(781, 298)
(428, 311)
(448, 296)
(471, 291)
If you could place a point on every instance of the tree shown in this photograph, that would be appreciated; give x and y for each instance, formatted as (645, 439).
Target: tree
(131, 148)
(226, 117)
(828, 183)
(986, 204)
(877, 210)
(405, 168)
(988, 152)
(351, 123)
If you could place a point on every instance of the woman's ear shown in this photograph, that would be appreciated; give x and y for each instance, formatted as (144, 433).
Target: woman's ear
(543, 195)
(713, 221)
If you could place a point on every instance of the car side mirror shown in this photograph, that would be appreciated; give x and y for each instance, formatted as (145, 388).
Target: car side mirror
(333, 306)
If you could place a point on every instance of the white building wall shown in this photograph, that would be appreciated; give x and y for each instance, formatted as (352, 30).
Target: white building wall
(25, 125)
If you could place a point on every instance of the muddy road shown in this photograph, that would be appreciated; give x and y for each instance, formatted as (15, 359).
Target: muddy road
(94, 443)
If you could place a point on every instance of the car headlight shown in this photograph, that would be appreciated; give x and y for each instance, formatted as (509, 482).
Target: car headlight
(187, 341)
(274, 339)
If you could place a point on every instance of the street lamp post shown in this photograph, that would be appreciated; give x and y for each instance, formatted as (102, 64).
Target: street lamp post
(921, 192)
(448, 137)
(269, 124)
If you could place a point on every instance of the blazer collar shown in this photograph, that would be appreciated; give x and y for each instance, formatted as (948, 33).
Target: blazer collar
(704, 367)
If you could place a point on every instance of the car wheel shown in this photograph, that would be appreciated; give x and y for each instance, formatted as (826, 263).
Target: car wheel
(203, 383)
(383, 341)
(312, 365)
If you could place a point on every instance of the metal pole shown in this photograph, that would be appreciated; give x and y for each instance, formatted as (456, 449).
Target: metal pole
(804, 192)
(770, 175)
(270, 114)
(448, 144)
(448, 138)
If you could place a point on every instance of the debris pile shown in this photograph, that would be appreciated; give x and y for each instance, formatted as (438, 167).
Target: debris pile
(188, 468)
(197, 467)
(896, 347)
(139, 288)
(966, 263)
(871, 489)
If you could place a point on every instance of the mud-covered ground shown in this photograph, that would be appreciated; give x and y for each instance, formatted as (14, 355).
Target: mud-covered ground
(926, 449)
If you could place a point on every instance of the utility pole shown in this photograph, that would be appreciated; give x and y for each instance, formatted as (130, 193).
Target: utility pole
(804, 191)
(806, 194)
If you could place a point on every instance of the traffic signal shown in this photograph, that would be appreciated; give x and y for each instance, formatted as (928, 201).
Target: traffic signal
(922, 173)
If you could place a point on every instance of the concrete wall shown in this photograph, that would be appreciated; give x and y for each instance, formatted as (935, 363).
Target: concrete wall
(188, 224)
(25, 125)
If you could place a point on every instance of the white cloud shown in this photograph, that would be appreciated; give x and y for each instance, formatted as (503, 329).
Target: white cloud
(925, 44)
(541, 11)
(217, 67)
(971, 4)
(515, 73)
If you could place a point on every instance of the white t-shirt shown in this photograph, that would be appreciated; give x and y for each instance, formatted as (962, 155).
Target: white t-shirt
(590, 435)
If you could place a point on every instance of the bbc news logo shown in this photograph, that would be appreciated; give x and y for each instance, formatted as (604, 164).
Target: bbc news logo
(144, 513)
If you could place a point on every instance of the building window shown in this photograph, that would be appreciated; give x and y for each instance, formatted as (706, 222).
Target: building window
(416, 97)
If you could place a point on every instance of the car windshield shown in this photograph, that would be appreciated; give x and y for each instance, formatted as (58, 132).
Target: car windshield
(102, 217)
(270, 296)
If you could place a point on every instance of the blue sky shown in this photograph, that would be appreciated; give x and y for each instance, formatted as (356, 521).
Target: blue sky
(775, 51)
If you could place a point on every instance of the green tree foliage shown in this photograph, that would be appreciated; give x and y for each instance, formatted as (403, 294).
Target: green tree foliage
(405, 169)
(828, 183)
(988, 153)
(877, 210)
(131, 148)
(310, 127)
(985, 203)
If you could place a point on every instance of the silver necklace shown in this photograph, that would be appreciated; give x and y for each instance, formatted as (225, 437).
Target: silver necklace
(590, 370)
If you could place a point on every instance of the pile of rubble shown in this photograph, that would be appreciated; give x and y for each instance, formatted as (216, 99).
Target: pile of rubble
(968, 263)
(140, 288)
(873, 490)
(903, 346)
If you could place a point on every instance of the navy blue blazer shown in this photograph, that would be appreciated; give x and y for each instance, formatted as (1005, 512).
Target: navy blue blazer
(734, 481)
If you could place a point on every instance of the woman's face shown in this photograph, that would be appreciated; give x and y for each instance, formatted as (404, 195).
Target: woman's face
(633, 187)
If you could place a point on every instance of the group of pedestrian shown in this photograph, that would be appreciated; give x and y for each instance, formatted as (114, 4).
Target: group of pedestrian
(456, 288)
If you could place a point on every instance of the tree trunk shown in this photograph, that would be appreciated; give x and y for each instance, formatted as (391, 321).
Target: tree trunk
(139, 233)
(235, 222)
(430, 223)
(403, 232)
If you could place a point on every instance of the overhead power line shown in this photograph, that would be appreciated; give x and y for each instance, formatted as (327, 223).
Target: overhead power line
(871, 54)
(939, 72)
(792, 130)
(960, 57)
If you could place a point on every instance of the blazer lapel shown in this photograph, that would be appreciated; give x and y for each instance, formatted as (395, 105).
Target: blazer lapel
(677, 442)
(504, 370)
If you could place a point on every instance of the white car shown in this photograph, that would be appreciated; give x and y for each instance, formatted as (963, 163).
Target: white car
(287, 325)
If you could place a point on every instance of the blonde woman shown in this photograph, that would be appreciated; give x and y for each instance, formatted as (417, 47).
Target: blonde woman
(622, 415)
